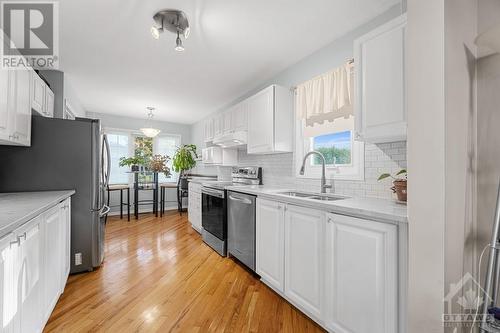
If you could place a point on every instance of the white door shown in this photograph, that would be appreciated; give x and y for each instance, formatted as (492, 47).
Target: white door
(380, 69)
(37, 93)
(9, 307)
(304, 233)
(30, 277)
(269, 241)
(49, 102)
(361, 278)
(240, 112)
(261, 122)
(22, 120)
(53, 250)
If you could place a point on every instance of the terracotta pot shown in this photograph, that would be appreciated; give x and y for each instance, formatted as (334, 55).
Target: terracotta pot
(399, 188)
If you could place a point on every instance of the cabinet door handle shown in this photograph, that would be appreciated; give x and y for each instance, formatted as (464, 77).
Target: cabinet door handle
(16, 242)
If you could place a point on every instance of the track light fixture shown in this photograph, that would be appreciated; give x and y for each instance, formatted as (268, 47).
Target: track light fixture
(174, 21)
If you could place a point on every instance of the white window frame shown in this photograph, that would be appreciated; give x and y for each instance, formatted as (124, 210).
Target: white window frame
(356, 171)
(155, 151)
(118, 131)
(133, 133)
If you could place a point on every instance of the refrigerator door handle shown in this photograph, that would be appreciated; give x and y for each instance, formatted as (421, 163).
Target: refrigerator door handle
(108, 157)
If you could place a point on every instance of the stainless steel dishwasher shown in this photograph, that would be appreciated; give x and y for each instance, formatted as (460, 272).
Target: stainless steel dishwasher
(241, 227)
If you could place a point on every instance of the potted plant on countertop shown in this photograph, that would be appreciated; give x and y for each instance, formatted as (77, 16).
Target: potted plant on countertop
(400, 183)
(183, 160)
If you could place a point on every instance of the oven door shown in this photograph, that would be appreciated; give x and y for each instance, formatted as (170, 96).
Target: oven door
(213, 212)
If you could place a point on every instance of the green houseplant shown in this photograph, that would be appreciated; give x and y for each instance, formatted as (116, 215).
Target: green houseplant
(400, 183)
(133, 162)
(184, 158)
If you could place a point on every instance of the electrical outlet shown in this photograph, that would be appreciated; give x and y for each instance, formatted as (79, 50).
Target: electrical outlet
(78, 258)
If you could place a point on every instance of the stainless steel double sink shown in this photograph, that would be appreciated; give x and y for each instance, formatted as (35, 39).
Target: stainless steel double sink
(313, 196)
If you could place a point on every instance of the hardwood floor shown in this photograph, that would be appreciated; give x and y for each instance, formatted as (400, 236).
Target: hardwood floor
(159, 276)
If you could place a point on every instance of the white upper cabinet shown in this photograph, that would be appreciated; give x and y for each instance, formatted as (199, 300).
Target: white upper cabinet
(49, 103)
(380, 105)
(15, 107)
(209, 130)
(227, 122)
(269, 230)
(6, 98)
(21, 121)
(304, 232)
(42, 98)
(270, 121)
(240, 113)
(361, 270)
(38, 94)
(218, 125)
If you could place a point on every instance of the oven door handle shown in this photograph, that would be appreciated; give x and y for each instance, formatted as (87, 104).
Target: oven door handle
(214, 193)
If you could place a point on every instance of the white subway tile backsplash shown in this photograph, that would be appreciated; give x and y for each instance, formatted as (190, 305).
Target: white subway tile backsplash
(279, 169)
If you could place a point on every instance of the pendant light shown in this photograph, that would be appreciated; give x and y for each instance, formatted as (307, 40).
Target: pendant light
(149, 131)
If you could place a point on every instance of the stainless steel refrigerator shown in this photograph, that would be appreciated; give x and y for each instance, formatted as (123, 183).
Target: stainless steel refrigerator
(66, 154)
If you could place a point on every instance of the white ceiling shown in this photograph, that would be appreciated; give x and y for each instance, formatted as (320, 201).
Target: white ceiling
(116, 67)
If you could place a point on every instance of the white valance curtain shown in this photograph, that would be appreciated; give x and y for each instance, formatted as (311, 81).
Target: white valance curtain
(326, 97)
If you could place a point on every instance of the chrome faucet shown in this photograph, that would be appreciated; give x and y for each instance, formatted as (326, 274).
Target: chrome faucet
(323, 172)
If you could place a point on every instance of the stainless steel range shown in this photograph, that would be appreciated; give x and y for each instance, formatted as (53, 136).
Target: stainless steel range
(214, 206)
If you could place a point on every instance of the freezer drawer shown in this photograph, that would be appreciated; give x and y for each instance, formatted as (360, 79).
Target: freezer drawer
(241, 227)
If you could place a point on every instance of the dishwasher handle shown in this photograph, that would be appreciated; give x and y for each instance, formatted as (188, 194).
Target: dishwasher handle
(242, 200)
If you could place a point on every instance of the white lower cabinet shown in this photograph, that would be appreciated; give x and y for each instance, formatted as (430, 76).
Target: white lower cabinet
(52, 254)
(30, 259)
(270, 243)
(341, 271)
(304, 231)
(194, 205)
(32, 270)
(9, 316)
(361, 275)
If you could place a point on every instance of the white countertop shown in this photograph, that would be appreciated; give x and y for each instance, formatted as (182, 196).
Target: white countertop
(18, 208)
(370, 208)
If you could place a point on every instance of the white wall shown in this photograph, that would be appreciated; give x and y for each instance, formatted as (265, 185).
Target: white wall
(426, 162)
(282, 167)
(460, 136)
(441, 155)
(488, 136)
